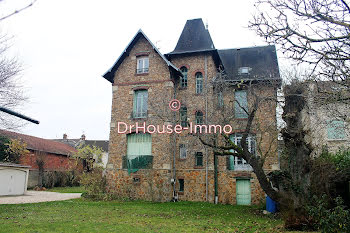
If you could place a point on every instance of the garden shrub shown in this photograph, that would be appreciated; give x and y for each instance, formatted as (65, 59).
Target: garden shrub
(94, 183)
(329, 218)
(60, 179)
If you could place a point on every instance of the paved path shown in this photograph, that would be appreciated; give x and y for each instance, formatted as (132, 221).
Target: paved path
(38, 196)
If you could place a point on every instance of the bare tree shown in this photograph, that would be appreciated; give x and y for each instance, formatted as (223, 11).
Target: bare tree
(314, 32)
(11, 90)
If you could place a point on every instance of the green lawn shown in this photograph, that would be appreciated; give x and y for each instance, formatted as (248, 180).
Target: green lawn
(81, 215)
(75, 189)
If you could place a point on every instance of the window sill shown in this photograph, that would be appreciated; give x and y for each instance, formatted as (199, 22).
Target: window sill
(139, 119)
(241, 119)
(182, 159)
(180, 192)
(198, 94)
(337, 140)
(141, 74)
(183, 88)
(198, 167)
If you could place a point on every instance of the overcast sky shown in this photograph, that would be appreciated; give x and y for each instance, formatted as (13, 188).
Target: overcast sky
(67, 45)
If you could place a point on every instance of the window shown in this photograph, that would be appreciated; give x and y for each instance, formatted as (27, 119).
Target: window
(199, 159)
(199, 118)
(183, 151)
(139, 151)
(181, 185)
(220, 99)
(199, 83)
(142, 65)
(244, 70)
(235, 163)
(335, 130)
(184, 78)
(140, 104)
(183, 116)
(241, 104)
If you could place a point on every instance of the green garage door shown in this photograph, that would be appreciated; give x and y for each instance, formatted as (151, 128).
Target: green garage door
(243, 194)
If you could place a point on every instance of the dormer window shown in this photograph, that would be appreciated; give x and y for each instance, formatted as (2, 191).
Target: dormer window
(142, 65)
(244, 70)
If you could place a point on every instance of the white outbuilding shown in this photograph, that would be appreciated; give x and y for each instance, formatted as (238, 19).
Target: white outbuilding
(13, 179)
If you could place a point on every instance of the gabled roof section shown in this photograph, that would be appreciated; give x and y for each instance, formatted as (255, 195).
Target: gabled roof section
(109, 75)
(194, 38)
(261, 61)
(40, 144)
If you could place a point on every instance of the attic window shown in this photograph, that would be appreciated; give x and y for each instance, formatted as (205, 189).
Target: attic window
(142, 65)
(244, 70)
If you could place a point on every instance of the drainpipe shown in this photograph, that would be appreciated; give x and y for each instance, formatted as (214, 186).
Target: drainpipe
(206, 122)
(216, 178)
(174, 150)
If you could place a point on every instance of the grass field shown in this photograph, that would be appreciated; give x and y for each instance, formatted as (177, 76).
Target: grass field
(82, 215)
(75, 189)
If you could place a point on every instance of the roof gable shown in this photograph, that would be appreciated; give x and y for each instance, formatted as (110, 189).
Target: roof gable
(194, 38)
(109, 75)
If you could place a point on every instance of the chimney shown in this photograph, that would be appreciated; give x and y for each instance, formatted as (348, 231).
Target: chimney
(65, 136)
(83, 137)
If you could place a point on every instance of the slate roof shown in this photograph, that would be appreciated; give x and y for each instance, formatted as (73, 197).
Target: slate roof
(262, 60)
(194, 38)
(40, 144)
(103, 144)
(109, 75)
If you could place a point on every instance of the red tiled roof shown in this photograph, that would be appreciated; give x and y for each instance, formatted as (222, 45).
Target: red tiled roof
(40, 144)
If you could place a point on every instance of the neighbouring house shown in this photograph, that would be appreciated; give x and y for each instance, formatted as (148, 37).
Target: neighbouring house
(326, 115)
(164, 167)
(55, 156)
(81, 142)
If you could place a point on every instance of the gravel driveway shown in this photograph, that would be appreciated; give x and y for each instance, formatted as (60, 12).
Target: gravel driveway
(38, 196)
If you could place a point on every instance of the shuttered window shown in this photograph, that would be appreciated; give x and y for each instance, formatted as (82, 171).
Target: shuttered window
(184, 78)
(241, 104)
(140, 104)
(199, 83)
(199, 118)
(335, 130)
(183, 151)
(183, 116)
(199, 159)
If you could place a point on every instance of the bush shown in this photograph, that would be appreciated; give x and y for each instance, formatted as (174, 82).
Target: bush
(330, 219)
(94, 183)
(60, 179)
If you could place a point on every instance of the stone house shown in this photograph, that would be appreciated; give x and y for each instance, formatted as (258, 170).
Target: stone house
(161, 166)
(55, 155)
(326, 115)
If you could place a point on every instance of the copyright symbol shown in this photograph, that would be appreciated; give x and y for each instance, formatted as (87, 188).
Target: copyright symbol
(174, 105)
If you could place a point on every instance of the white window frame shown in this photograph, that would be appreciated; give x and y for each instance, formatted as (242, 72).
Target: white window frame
(241, 164)
(183, 151)
(199, 83)
(244, 70)
(142, 65)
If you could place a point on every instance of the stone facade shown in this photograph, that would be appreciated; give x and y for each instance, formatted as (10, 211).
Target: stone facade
(157, 183)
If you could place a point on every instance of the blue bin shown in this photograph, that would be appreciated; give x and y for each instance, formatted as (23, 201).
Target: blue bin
(271, 205)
